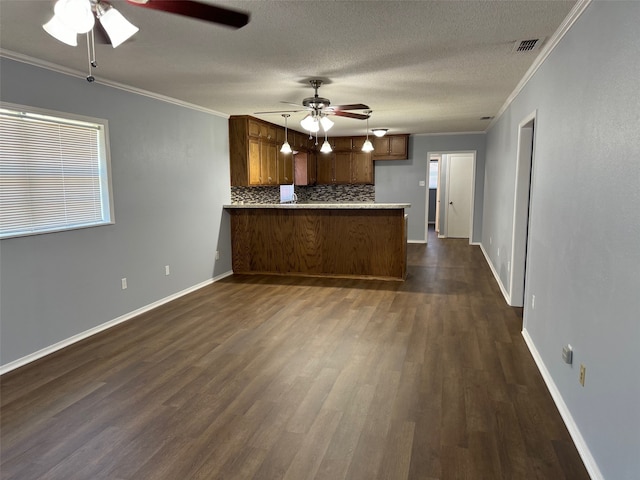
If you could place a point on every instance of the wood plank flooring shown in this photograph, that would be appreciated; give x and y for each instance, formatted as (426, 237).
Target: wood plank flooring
(260, 377)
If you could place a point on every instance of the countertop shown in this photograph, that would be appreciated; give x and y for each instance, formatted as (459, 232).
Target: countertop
(323, 206)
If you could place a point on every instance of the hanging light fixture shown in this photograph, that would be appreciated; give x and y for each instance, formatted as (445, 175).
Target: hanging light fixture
(286, 148)
(379, 132)
(326, 146)
(367, 146)
(72, 17)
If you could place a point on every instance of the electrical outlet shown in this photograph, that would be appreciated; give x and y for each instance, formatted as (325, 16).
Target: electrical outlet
(509, 266)
(533, 302)
(422, 183)
(167, 270)
(498, 251)
(124, 283)
(217, 254)
(490, 240)
(583, 372)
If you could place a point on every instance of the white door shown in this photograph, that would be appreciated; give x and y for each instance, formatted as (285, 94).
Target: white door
(459, 192)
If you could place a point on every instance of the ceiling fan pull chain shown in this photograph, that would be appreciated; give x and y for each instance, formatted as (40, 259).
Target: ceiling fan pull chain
(91, 58)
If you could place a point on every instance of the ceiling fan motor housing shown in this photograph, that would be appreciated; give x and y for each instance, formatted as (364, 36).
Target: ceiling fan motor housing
(316, 102)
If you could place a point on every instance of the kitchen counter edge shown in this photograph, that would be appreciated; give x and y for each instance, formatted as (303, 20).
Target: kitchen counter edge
(322, 206)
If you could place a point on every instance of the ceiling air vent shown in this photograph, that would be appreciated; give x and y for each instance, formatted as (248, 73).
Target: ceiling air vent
(523, 46)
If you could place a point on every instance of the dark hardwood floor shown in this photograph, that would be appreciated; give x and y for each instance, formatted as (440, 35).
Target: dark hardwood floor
(261, 377)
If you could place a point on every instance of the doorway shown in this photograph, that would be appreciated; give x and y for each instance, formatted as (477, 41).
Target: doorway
(454, 195)
(521, 209)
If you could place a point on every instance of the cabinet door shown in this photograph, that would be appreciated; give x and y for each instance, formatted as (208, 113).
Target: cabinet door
(381, 146)
(268, 163)
(398, 146)
(325, 168)
(254, 128)
(285, 168)
(254, 162)
(342, 168)
(312, 168)
(361, 167)
(341, 144)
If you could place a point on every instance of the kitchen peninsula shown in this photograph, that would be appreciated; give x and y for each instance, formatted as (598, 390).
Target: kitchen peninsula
(359, 240)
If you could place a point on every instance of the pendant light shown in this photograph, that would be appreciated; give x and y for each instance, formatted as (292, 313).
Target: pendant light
(367, 146)
(286, 148)
(379, 132)
(326, 146)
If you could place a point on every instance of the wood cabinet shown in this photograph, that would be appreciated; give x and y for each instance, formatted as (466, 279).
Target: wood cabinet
(253, 153)
(391, 147)
(305, 168)
(345, 168)
(285, 167)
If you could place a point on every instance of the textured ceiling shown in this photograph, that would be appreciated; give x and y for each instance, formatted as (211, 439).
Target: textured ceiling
(422, 66)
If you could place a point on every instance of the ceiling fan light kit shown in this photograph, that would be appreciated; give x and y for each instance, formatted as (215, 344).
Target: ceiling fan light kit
(73, 17)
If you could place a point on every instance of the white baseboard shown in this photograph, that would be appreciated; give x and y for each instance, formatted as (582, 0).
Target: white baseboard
(505, 294)
(417, 241)
(111, 323)
(589, 462)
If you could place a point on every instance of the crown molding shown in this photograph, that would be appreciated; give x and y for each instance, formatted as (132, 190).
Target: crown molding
(575, 13)
(18, 57)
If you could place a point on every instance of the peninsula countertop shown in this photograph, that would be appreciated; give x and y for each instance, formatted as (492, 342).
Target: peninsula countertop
(323, 205)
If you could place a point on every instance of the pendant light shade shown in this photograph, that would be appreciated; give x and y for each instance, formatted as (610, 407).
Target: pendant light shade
(380, 132)
(117, 27)
(58, 30)
(75, 14)
(310, 123)
(326, 122)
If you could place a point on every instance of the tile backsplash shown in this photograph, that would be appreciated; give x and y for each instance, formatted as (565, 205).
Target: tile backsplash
(315, 193)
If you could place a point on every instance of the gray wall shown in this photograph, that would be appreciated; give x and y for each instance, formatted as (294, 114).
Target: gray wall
(584, 240)
(397, 180)
(170, 171)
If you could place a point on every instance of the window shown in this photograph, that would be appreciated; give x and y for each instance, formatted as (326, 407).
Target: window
(54, 172)
(433, 174)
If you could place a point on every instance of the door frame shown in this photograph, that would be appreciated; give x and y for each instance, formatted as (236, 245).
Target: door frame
(444, 159)
(523, 192)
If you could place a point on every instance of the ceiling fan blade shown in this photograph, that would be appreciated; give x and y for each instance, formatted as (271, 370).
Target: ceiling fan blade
(278, 111)
(357, 116)
(353, 106)
(290, 103)
(199, 10)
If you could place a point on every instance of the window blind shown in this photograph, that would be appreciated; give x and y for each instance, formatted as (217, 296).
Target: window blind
(51, 174)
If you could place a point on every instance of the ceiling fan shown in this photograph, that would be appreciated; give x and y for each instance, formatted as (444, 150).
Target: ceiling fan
(319, 107)
(74, 17)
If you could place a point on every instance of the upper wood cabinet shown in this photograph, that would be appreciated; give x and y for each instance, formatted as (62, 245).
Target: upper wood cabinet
(391, 147)
(253, 152)
(345, 168)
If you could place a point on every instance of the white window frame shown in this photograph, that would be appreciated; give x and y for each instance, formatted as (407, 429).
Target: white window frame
(103, 207)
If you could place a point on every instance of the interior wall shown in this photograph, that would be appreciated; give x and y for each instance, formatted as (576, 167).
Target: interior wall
(584, 248)
(398, 180)
(170, 176)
